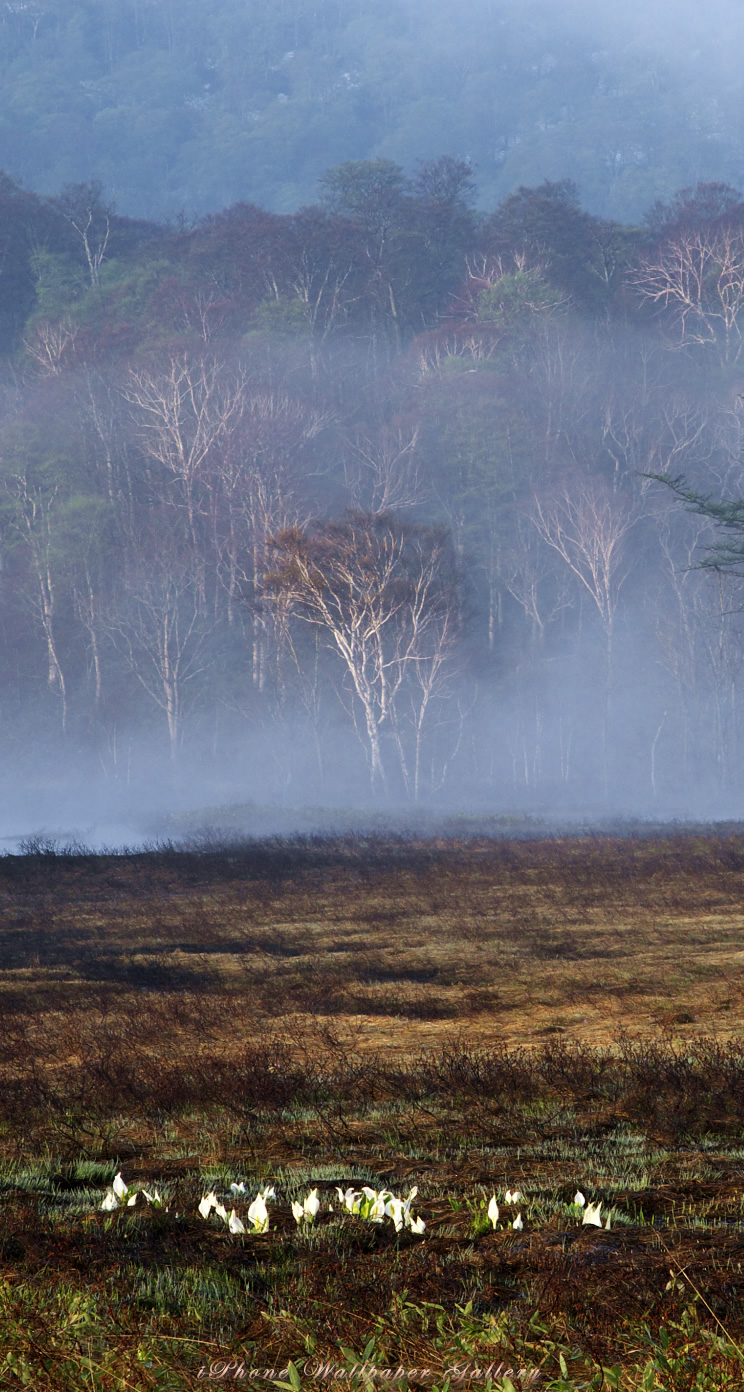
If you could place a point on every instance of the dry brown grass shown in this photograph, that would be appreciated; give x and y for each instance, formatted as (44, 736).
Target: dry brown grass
(399, 945)
(458, 1015)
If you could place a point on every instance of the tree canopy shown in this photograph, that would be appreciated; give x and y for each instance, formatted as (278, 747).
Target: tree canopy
(208, 103)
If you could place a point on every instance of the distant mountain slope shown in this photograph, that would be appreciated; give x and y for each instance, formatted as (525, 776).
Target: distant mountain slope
(197, 104)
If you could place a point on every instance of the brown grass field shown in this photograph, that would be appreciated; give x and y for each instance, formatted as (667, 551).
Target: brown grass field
(464, 1016)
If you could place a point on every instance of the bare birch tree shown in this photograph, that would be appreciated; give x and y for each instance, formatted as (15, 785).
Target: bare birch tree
(50, 343)
(34, 519)
(158, 626)
(384, 597)
(382, 472)
(184, 415)
(82, 207)
(260, 489)
(696, 280)
(588, 527)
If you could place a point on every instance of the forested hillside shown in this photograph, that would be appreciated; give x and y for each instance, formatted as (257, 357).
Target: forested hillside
(355, 501)
(196, 105)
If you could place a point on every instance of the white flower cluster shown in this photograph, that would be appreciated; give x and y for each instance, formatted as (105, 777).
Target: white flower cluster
(591, 1212)
(371, 1205)
(258, 1214)
(307, 1212)
(510, 1197)
(366, 1203)
(374, 1205)
(121, 1195)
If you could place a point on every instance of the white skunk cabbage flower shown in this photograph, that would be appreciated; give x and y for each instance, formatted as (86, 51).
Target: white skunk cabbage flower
(400, 1210)
(579, 1199)
(394, 1210)
(608, 1225)
(512, 1196)
(518, 1224)
(258, 1214)
(407, 1211)
(209, 1202)
(350, 1199)
(308, 1211)
(238, 1188)
(377, 1211)
(234, 1223)
(153, 1198)
(493, 1211)
(374, 1206)
(592, 1215)
(119, 1196)
(364, 1203)
(370, 1206)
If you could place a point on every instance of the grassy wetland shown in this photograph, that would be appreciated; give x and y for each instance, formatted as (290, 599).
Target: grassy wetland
(468, 1017)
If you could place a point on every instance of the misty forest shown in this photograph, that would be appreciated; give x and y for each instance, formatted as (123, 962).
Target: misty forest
(346, 491)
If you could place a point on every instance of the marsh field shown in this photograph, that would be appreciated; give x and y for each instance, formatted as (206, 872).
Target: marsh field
(467, 1017)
